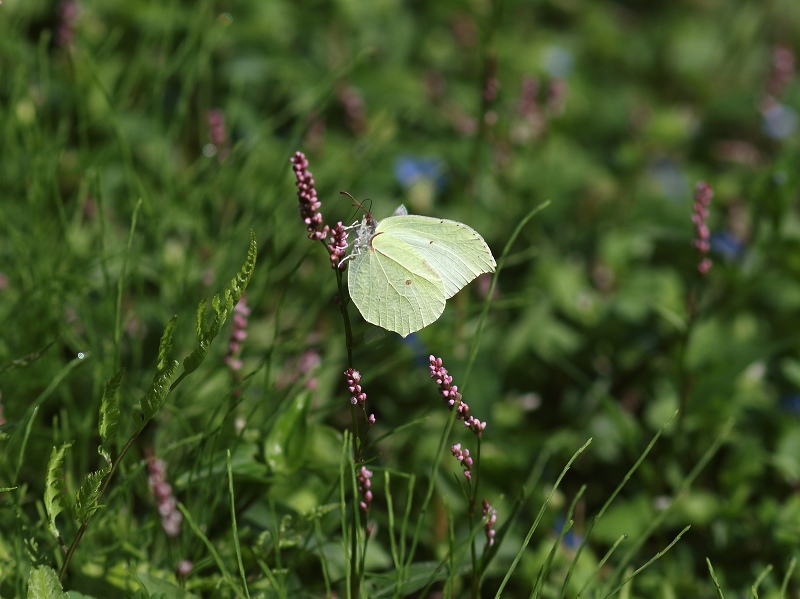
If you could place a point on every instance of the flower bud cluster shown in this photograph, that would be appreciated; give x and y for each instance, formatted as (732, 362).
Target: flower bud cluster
(337, 246)
(462, 455)
(358, 397)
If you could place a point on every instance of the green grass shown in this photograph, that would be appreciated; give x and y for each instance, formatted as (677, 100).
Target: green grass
(118, 215)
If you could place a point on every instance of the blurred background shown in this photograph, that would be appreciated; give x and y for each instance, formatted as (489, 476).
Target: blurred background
(601, 324)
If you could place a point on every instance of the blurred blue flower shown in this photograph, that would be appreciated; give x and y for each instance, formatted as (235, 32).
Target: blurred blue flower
(780, 177)
(779, 121)
(670, 179)
(790, 403)
(410, 169)
(571, 540)
(558, 62)
(727, 245)
(417, 348)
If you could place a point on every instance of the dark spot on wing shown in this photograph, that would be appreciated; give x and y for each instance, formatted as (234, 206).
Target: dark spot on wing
(408, 281)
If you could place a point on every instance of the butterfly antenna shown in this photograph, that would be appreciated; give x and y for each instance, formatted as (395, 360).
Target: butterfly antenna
(359, 205)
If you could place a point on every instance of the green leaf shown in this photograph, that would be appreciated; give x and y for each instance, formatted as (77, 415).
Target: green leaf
(109, 407)
(286, 444)
(223, 305)
(43, 584)
(87, 499)
(157, 587)
(55, 499)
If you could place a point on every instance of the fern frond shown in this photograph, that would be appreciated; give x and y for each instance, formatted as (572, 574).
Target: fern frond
(87, 499)
(55, 499)
(193, 360)
(155, 397)
(165, 345)
(109, 407)
(222, 305)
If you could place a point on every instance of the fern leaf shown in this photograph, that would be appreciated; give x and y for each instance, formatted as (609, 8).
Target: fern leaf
(55, 499)
(222, 308)
(105, 455)
(87, 499)
(43, 584)
(236, 288)
(165, 345)
(201, 328)
(193, 360)
(197, 356)
(109, 407)
(155, 397)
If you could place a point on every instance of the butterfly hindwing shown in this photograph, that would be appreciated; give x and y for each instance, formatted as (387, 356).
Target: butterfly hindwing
(394, 287)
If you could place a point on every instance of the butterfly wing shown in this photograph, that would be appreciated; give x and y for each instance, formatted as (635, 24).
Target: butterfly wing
(454, 250)
(394, 287)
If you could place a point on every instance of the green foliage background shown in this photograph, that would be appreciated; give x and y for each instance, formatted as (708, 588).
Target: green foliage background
(589, 334)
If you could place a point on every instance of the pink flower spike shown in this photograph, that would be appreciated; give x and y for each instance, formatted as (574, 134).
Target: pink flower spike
(238, 334)
(702, 195)
(452, 397)
(167, 507)
(364, 484)
(490, 517)
(307, 194)
(185, 568)
(218, 133)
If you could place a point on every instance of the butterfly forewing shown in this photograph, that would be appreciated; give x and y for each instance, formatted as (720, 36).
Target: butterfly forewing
(457, 252)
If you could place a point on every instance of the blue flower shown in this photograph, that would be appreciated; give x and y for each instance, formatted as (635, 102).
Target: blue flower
(409, 169)
(727, 245)
(558, 61)
(418, 349)
(669, 178)
(779, 121)
(571, 539)
(790, 403)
